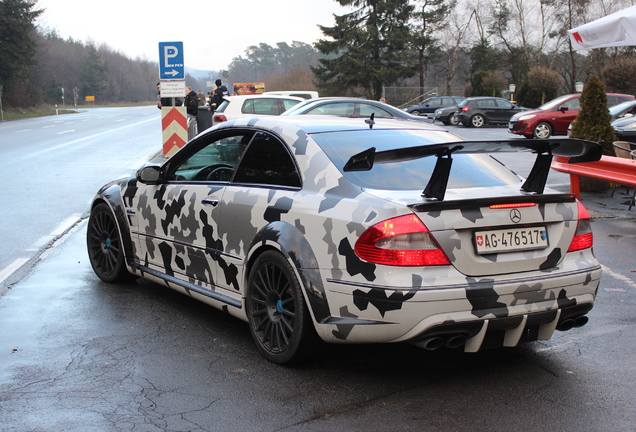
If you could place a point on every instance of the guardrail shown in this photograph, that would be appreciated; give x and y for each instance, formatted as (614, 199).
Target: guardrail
(610, 168)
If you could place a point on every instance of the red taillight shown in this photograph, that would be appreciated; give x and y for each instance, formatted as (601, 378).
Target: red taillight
(583, 237)
(465, 108)
(219, 118)
(400, 241)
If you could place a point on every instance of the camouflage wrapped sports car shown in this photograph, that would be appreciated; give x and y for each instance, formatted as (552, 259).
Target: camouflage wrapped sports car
(356, 231)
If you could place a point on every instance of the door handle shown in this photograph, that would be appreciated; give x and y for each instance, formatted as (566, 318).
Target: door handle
(212, 202)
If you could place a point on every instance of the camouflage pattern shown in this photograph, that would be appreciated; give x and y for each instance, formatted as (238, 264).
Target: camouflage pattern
(178, 232)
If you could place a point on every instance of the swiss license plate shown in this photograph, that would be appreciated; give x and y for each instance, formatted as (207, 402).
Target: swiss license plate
(511, 239)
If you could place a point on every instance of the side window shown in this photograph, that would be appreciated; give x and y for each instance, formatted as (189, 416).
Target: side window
(267, 162)
(214, 160)
(613, 100)
(367, 110)
(503, 104)
(573, 104)
(486, 103)
(435, 102)
(261, 106)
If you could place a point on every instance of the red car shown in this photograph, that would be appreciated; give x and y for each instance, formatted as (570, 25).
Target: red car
(554, 117)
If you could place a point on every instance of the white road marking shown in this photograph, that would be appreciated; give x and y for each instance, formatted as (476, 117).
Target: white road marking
(61, 229)
(66, 131)
(88, 138)
(618, 276)
(8, 271)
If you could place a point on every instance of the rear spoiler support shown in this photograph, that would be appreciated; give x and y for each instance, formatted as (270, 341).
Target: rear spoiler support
(575, 149)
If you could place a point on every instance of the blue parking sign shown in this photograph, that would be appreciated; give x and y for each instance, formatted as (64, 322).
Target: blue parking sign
(171, 60)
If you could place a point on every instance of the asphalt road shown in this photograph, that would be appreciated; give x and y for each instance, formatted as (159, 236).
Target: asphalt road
(77, 354)
(53, 166)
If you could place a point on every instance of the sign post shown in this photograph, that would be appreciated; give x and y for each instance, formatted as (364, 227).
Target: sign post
(174, 121)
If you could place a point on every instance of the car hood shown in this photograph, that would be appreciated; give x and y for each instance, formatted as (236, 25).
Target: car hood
(527, 111)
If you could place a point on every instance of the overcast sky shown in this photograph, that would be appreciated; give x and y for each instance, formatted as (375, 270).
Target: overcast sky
(213, 32)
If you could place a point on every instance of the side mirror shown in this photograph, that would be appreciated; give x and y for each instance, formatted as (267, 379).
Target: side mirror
(149, 174)
(563, 108)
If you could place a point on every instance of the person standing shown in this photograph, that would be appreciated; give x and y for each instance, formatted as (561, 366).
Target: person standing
(219, 94)
(201, 98)
(192, 108)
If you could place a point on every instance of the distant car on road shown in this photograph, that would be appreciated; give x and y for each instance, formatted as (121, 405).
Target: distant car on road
(554, 117)
(350, 107)
(234, 107)
(481, 111)
(430, 105)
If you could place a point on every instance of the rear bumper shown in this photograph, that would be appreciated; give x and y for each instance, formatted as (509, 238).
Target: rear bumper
(517, 309)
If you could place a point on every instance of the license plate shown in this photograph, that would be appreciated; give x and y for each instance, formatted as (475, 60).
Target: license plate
(511, 239)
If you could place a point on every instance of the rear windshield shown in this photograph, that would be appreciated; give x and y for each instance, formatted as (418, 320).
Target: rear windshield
(221, 108)
(468, 170)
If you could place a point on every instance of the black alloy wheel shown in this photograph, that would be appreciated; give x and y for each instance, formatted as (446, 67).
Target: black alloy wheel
(105, 249)
(276, 310)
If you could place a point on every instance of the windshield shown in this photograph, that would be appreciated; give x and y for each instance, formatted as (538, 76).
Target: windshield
(553, 103)
(469, 170)
(621, 106)
(297, 107)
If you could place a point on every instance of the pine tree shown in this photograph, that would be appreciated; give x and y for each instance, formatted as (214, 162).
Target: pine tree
(593, 121)
(369, 44)
(18, 46)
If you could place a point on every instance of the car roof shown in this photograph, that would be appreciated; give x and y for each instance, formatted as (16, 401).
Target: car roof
(268, 96)
(322, 123)
(485, 97)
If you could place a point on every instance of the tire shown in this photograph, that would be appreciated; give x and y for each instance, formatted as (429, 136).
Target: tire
(105, 248)
(477, 121)
(542, 131)
(415, 112)
(453, 120)
(277, 314)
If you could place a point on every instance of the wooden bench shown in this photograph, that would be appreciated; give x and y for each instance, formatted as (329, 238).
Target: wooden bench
(610, 168)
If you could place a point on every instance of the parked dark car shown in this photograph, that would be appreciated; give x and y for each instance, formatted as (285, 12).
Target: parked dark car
(430, 105)
(481, 111)
(447, 115)
(625, 129)
(554, 117)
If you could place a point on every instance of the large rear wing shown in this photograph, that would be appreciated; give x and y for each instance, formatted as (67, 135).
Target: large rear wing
(575, 149)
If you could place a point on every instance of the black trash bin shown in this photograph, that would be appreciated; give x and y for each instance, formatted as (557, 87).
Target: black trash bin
(204, 118)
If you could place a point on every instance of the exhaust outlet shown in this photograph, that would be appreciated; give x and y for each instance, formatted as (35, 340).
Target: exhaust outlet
(566, 325)
(432, 344)
(456, 341)
(581, 321)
